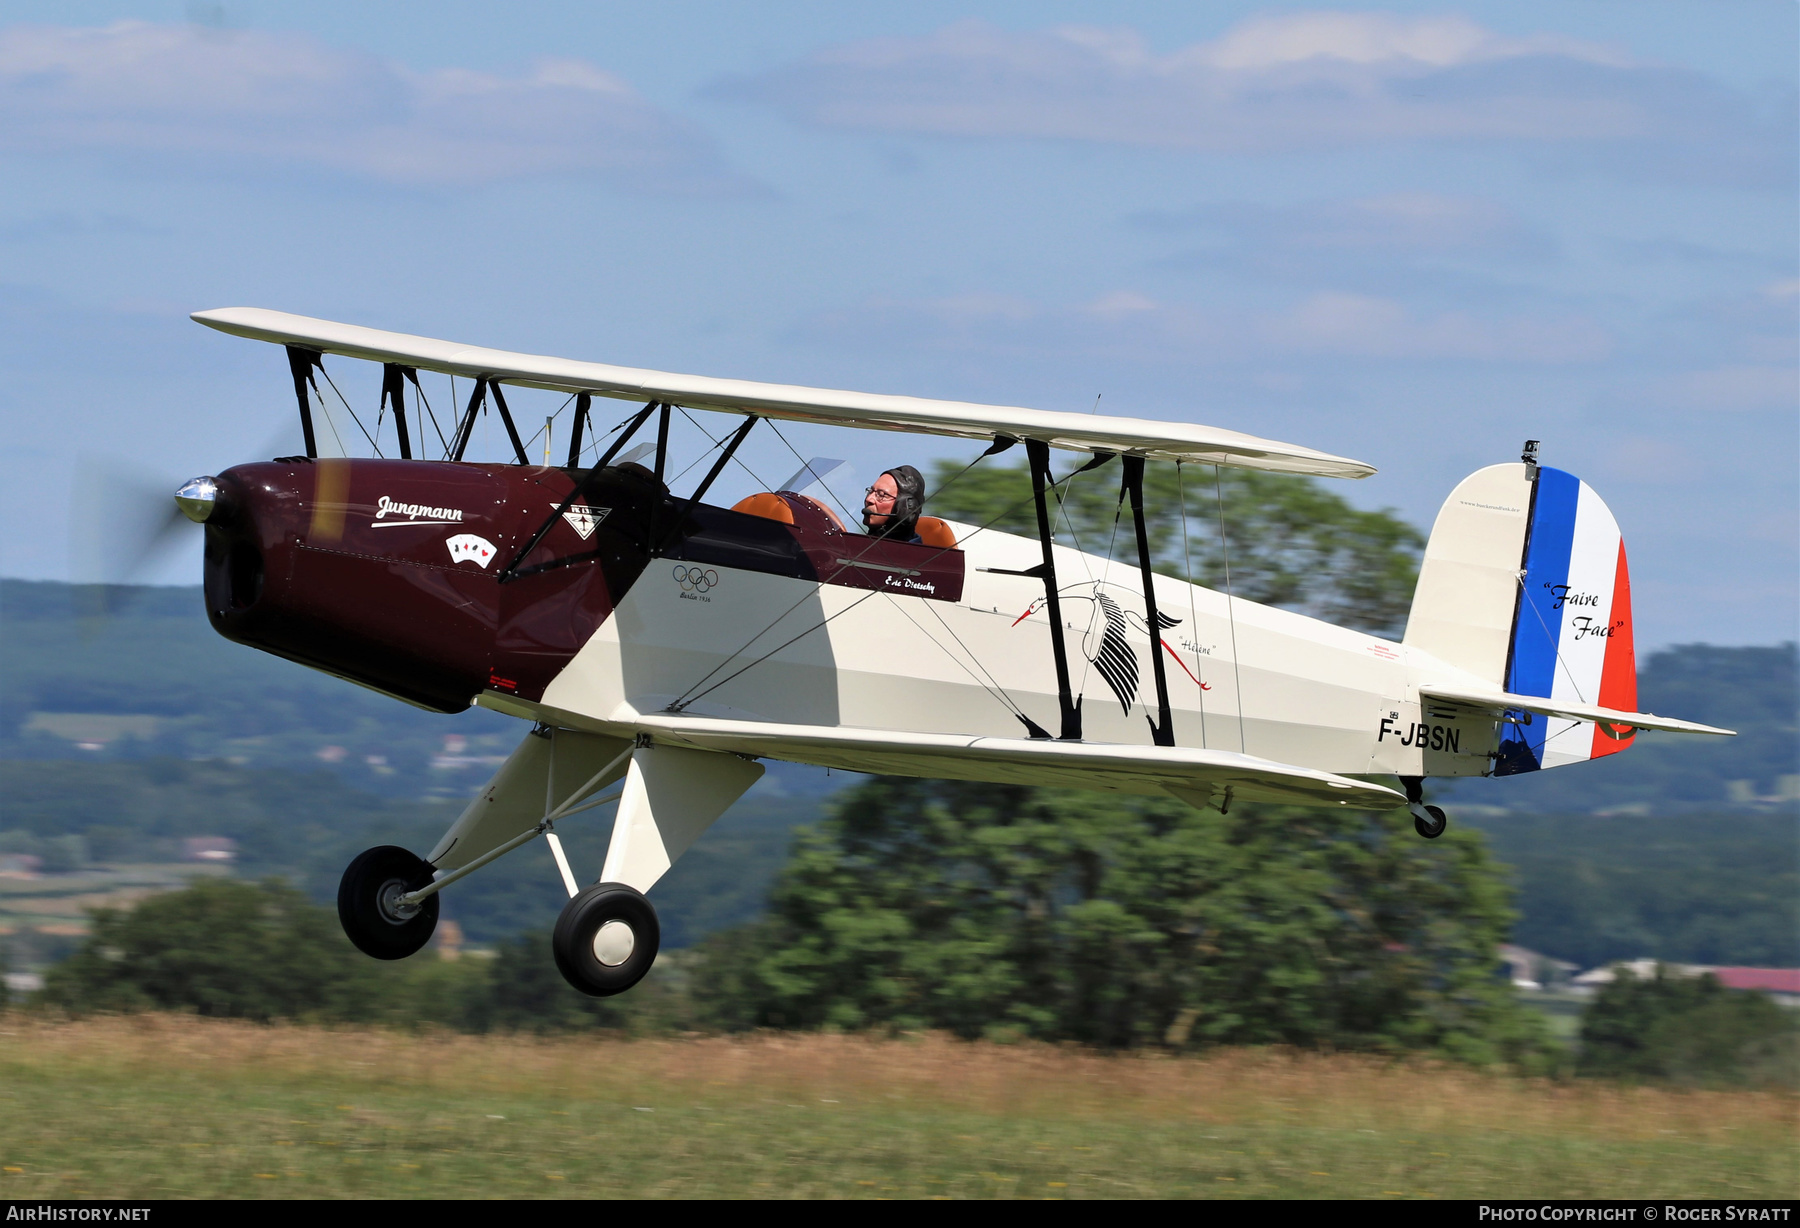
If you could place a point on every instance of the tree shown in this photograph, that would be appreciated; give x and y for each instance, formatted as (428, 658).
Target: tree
(262, 951)
(1002, 910)
(219, 948)
(1688, 1030)
(526, 993)
(1293, 543)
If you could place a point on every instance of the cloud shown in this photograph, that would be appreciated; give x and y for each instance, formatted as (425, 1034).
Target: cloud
(1400, 224)
(1294, 82)
(1130, 325)
(61, 223)
(1365, 326)
(210, 96)
(1743, 387)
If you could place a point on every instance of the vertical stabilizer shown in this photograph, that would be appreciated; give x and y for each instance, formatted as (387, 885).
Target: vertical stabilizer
(1468, 592)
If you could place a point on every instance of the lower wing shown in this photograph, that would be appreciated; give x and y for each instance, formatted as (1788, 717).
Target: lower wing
(1195, 776)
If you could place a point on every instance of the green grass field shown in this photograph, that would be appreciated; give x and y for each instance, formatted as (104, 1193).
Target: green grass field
(160, 1107)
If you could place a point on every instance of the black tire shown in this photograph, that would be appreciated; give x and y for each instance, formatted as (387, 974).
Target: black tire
(1434, 827)
(366, 905)
(583, 954)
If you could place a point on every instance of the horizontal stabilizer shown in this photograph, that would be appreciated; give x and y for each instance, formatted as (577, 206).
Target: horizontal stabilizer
(1193, 775)
(1499, 701)
(1080, 432)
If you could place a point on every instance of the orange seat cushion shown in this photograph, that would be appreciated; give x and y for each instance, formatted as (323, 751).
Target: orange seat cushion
(769, 507)
(934, 532)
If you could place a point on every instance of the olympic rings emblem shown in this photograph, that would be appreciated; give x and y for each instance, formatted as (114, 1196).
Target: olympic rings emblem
(695, 579)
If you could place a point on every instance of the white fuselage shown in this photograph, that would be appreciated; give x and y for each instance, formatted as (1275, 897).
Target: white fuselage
(1241, 676)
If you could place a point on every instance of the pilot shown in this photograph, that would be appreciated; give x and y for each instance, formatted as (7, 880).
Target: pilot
(891, 507)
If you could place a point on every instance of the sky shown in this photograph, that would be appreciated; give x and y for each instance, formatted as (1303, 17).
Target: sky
(1416, 235)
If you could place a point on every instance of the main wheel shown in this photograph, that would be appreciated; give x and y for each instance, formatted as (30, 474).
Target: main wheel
(1430, 824)
(369, 903)
(606, 939)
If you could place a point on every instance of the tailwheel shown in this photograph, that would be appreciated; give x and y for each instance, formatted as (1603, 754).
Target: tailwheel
(369, 903)
(606, 939)
(1429, 821)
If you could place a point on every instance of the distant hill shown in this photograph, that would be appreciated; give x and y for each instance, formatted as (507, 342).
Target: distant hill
(69, 652)
(125, 720)
(306, 826)
(1755, 691)
(75, 658)
(1699, 887)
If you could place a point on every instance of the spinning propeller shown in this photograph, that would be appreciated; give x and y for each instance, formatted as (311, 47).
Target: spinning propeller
(120, 537)
(127, 518)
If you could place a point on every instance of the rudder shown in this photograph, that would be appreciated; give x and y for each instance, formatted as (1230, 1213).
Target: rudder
(1572, 636)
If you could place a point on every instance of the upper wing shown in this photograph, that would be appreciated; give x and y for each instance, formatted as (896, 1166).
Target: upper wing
(1193, 775)
(1500, 701)
(1081, 432)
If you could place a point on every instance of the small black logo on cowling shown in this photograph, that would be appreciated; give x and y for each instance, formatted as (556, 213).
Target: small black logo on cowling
(584, 520)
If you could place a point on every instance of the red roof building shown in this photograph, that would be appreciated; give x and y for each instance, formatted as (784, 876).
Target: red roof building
(1768, 980)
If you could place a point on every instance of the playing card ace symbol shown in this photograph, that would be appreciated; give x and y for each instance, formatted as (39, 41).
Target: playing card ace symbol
(468, 548)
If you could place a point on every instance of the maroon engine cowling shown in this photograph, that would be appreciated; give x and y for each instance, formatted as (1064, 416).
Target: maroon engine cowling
(386, 572)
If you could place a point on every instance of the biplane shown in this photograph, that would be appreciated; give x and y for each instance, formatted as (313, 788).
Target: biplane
(662, 647)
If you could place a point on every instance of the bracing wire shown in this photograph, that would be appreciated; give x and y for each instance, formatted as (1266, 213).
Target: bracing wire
(830, 493)
(735, 458)
(539, 432)
(716, 444)
(995, 691)
(330, 424)
(693, 693)
(686, 699)
(348, 410)
(1187, 557)
(1237, 679)
(1553, 639)
(419, 394)
(688, 695)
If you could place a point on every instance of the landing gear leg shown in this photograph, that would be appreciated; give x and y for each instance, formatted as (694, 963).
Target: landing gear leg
(606, 939)
(1428, 821)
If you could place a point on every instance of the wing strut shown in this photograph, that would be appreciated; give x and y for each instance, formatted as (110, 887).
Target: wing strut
(512, 432)
(731, 447)
(662, 460)
(1038, 452)
(393, 392)
(582, 403)
(301, 362)
(1162, 729)
(511, 571)
(477, 399)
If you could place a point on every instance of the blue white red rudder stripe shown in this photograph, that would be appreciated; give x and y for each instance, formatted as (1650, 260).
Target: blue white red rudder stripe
(1571, 635)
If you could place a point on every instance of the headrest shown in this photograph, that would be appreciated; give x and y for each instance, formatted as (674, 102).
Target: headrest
(934, 532)
(768, 506)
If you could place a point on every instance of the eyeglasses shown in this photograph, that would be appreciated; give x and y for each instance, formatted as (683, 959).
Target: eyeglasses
(882, 496)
